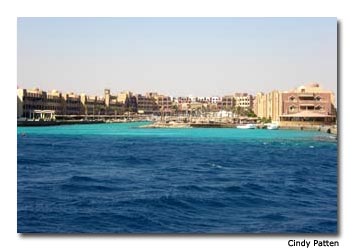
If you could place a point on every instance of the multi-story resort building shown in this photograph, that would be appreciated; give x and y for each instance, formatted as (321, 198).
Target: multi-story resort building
(183, 99)
(129, 100)
(146, 104)
(72, 104)
(244, 100)
(309, 104)
(268, 105)
(33, 103)
(55, 102)
(93, 105)
(227, 102)
(203, 99)
(113, 105)
(164, 103)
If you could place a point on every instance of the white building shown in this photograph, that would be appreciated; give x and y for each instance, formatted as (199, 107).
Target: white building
(215, 99)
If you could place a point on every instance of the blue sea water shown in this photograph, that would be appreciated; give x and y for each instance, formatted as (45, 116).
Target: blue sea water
(119, 178)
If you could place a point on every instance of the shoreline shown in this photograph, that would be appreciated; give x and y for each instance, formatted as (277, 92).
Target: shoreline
(322, 128)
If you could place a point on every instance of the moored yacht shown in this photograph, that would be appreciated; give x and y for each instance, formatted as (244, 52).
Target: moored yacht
(272, 126)
(247, 126)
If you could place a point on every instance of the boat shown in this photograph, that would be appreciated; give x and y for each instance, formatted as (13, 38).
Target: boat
(247, 126)
(272, 126)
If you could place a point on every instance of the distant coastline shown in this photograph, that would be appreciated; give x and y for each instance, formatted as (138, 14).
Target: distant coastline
(156, 123)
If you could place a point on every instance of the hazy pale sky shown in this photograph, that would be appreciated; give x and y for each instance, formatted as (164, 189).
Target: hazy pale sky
(176, 56)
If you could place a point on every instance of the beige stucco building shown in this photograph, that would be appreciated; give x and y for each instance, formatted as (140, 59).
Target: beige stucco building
(306, 103)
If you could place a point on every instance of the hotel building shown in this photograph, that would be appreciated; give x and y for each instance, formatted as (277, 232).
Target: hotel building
(93, 105)
(146, 104)
(227, 102)
(32, 103)
(113, 105)
(72, 104)
(244, 100)
(309, 104)
(164, 103)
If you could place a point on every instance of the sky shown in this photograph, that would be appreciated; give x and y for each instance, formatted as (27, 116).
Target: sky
(176, 56)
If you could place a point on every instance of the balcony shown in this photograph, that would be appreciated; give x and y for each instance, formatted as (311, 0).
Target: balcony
(306, 95)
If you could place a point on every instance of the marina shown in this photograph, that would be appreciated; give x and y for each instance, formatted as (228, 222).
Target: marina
(158, 125)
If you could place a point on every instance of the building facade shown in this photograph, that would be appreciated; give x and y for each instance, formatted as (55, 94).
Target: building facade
(113, 105)
(29, 101)
(92, 105)
(72, 104)
(309, 104)
(146, 104)
(244, 101)
(164, 103)
(228, 102)
(306, 103)
(261, 105)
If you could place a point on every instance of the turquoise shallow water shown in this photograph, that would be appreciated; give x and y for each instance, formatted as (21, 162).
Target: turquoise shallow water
(134, 129)
(119, 178)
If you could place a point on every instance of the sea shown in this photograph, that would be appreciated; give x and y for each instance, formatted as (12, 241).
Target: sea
(122, 178)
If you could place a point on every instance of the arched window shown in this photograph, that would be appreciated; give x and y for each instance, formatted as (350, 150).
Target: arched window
(318, 98)
(292, 98)
(318, 107)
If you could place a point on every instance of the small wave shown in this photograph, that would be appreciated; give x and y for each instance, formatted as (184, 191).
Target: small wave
(300, 190)
(253, 201)
(192, 188)
(273, 217)
(215, 165)
(86, 188)
(328, 224)
(137, 160)
(84, 183)
(77, 178)
(162, 201)
(256, 188)
(233, 189)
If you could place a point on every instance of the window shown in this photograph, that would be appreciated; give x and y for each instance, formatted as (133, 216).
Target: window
(292, 98)
(318, 98)
(292, 108)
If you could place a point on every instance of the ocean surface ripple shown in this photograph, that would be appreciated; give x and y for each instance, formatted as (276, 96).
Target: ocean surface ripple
(118, 178)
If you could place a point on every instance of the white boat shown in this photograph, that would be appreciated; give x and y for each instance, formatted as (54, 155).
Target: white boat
(272, 126)
(247, 126)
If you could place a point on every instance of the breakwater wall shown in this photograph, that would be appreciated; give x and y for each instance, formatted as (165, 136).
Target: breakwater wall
(325, 129)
